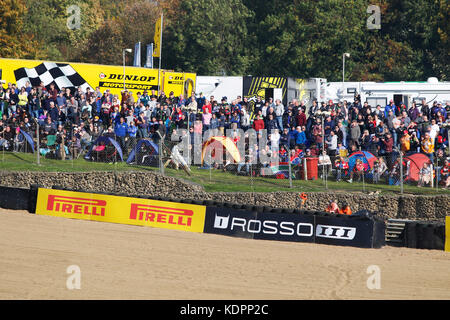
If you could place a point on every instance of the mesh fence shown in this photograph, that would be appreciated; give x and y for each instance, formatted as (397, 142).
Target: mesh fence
(181, 153)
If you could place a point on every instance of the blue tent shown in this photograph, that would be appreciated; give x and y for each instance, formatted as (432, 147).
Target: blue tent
(28, 138)
(367, 158)
(105, 140)
(147, 142)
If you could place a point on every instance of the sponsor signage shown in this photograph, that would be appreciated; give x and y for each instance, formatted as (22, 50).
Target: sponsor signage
(265, 226)
(286, 227)
(124, 210)
(343, 231)
(84, 75)
(230, 222)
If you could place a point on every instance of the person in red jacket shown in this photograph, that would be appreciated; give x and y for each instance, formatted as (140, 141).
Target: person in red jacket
(358, 169)
(445, 174)
(301, 118)
(258, 123)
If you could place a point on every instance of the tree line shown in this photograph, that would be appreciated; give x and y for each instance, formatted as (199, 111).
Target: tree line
(299, 38)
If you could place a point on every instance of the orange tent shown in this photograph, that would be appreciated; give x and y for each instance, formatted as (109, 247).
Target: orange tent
(216, 142)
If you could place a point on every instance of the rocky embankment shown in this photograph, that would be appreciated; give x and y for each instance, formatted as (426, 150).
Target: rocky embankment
(414, 207)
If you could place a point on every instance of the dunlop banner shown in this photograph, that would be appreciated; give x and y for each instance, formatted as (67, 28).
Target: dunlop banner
(447, 233)
(123, 210)
(86, 75)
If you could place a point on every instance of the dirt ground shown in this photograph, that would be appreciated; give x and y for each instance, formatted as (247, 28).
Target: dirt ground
(129, 262)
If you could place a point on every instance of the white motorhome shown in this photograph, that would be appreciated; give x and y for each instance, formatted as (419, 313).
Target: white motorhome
(381, 93)
(219, 87)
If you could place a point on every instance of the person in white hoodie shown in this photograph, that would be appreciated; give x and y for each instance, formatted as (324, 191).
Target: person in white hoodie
(332, 143)
(245, 118)
(279, 110)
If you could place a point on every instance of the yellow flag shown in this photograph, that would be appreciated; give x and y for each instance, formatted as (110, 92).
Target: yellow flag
(157, 38)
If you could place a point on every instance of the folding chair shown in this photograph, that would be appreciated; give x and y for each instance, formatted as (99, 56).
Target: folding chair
(51, 144)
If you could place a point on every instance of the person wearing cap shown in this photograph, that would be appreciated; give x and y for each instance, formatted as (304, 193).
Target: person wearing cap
(289, 120)
(405, 142)
(284, 138)
(390, 107)
(441, 110)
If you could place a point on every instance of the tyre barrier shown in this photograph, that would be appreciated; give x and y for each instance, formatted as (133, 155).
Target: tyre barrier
(267, 223)
(424, 235)
(15, 198)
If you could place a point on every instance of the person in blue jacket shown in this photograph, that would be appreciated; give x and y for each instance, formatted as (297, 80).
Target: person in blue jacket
(390, 106)
(300, 136)
(131, 132)
(120, 130)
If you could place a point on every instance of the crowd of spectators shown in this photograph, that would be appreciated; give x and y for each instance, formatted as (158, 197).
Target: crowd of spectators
(334, 129)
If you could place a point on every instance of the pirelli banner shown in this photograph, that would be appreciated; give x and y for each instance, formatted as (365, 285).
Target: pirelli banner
(334, 230)
(124, 210)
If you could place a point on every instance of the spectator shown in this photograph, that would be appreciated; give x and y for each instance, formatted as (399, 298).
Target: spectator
(258, 124)
(355, 132)
(332, 207)
(332, 143)
(445, 174)
(120, 131)
(358, 169)
(427, 145)
(425, 175)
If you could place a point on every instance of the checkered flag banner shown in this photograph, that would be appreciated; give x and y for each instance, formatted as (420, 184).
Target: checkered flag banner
(62, 74)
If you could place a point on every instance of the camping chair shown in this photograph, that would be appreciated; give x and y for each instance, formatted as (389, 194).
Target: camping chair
(19, 143)
(51, 145)
(85, 145)
(111, 153)
(100, 153)
(104, 153)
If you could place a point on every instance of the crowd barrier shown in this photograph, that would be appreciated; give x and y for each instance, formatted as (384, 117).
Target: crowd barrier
(208, 216)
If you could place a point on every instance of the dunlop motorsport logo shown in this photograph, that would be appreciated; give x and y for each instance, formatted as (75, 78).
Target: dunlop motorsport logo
(71, 205)
(144, 82)
(283, 228)
(176, 80)
(165, 215)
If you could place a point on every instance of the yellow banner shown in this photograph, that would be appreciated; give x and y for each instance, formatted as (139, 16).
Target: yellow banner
(447, 233)
(124, 210)
(157, 38)
(64, 74)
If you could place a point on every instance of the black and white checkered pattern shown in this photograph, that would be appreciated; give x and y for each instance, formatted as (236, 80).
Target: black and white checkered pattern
(61, 74)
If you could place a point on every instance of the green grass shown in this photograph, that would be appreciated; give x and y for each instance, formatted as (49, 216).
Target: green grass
(211, 180)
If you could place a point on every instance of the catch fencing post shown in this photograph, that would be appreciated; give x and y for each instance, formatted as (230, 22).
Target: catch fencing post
(431, 178)
(3, 147)
(305, 169)
(161, 142)
(290, 172)
(401, 172)
(37, 142)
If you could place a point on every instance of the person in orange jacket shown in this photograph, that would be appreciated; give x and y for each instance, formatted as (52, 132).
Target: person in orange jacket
(345, 210)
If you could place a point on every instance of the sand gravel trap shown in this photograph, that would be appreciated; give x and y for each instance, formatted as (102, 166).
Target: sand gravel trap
(129, 262)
